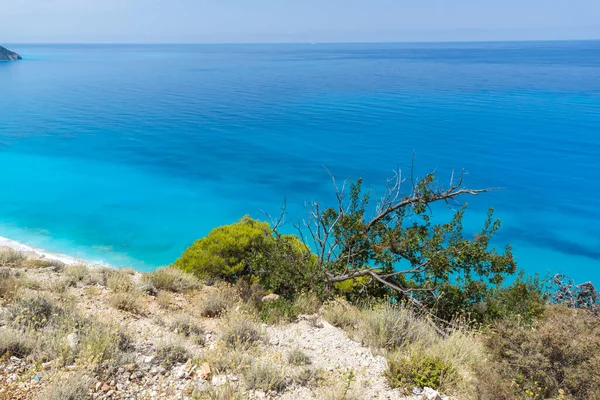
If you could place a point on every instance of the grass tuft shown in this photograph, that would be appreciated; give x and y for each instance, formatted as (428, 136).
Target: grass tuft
(171, 279)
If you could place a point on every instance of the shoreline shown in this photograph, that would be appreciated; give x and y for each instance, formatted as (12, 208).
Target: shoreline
(36, 253)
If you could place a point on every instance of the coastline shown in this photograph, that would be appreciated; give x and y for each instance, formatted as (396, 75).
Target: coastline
(40, 254)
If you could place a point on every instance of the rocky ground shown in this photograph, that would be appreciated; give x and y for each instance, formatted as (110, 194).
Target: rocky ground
(307, 359)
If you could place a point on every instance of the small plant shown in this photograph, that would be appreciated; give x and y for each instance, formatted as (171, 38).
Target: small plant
(171, 279)
(298, 357)
(74, 387)
(129, 302)
(418, 370)
(265, 377)
(164, 300)
(278, 311)
(169, 354)
(241, 331)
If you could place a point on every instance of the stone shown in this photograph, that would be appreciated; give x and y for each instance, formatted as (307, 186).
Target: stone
(431, 394)
(98, 386)
(105, 387)
(149, 289)
(219, 380)
(7, 55)
(73, 341)
(270, 297)
(205, 371)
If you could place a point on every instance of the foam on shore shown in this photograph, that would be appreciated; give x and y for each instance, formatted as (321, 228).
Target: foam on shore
(42, 254)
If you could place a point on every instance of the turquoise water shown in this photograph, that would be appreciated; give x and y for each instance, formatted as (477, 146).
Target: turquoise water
(126, 154)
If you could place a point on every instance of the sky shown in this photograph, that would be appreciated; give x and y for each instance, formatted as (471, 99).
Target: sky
(272, 21)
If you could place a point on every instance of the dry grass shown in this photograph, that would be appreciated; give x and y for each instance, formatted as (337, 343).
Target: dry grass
(12, 258)
(184, 325)
(298, 357)
(9, 285)
(307, 304)
(266, 377)
(222, 358)
(218, 301)
(340, 314)
(223, 392)
(171, 353)
(164, 300)
(241, 331)
(120, 281)
(73, 387)
(389, 327)
(15, 343)
(127, 301)
(77, 273)
(171, 279)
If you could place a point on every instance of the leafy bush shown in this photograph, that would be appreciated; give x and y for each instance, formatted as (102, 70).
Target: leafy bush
(418, 370)
(278, 311)
(266, 377)
(226, 251)
(559, 354)
(171, 279)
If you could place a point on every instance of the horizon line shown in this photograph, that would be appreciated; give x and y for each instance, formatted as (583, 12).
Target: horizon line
(310, 42)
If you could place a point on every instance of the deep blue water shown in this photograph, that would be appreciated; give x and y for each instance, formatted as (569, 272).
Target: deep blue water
(126, 154)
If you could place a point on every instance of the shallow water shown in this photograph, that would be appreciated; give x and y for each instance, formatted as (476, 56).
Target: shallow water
(126, 154)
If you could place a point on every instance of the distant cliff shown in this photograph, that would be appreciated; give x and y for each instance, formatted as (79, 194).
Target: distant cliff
(7, 55)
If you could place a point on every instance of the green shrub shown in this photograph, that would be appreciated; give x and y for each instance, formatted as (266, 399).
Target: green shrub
(171, 279)
(418, 370)
(278, 311)
(560, 353)
(226, 251)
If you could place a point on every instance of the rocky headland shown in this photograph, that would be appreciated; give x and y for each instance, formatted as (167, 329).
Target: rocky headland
(7, 55)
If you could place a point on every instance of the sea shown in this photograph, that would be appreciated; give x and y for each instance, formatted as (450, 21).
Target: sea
(126, 154)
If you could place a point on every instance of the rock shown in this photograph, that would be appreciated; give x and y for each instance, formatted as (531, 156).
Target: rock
(105, 387)
(73, 341)
(7, 55)
(431, 394)
(98, 386)
(270, 297)
(204, 371)
(219, 380)
(149, 289)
